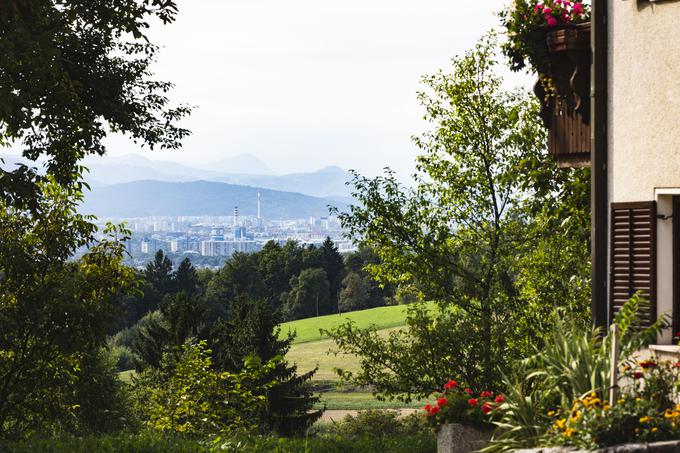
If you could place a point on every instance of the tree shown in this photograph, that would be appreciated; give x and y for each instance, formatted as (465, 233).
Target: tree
(239, 275)
(359, 262)
(159, 273)
(460, 235)
(185, 278)
(182, 316)
(70, 72)
(354, 294)
(253, 330)
(309, 296)
(54, 313)
(333, 264)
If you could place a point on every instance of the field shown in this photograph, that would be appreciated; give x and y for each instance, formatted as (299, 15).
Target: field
(311, 350)
(382, 317)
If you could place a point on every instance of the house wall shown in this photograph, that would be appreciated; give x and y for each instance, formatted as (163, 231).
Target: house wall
(644, 117)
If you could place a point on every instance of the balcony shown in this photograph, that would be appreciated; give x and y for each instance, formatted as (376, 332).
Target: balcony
(565, 98)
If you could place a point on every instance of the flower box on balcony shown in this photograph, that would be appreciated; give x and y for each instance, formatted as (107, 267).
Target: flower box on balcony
(566, 104)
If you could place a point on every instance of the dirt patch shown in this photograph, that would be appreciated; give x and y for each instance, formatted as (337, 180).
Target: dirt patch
(338, 414)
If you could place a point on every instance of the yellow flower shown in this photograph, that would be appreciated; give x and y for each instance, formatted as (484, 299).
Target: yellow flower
(551, 413)
(655, 429)
(645, 419)
(575, 415)
(568, 432)
(559, 424)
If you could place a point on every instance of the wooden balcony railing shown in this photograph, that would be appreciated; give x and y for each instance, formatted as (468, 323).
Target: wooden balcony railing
(566, 112)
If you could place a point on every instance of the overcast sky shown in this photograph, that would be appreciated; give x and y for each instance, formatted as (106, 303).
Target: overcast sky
(303, 84)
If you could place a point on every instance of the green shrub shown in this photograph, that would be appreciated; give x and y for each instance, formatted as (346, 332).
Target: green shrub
(123, 357)
(374, 424)
(188, 396)
(244, 443)
(124, 442)
(414, 443)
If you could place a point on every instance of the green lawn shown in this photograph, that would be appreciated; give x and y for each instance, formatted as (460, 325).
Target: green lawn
(381, 317)
(361, 401)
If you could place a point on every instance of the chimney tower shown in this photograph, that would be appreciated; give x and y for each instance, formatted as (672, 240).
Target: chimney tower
(259, 213)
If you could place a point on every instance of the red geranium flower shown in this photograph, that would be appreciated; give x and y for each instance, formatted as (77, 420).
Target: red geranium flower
(442, 401)
(472, 401)
(428, 407)
(468, 391)
(499, 399)
(486, 394)
(451, 385)
(487, 407)
(434, 410)
(676, 365)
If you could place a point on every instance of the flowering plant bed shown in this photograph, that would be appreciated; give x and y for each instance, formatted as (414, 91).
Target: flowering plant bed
(645, 411)
(458, 404)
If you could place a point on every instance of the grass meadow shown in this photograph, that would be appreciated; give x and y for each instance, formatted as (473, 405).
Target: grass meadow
(308, 330)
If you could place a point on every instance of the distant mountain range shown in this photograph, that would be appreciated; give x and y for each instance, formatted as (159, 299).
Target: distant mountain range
(132, 185)
(161, 198)
(327, 182)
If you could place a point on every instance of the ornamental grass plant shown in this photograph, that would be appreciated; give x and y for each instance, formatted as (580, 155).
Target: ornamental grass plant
(571, 366)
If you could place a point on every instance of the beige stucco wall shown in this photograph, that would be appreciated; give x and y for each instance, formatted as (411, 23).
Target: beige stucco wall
(644, 117)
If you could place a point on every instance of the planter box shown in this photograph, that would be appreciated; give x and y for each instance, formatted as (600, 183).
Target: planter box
(672, 446)
(456, 438)
(567, 114)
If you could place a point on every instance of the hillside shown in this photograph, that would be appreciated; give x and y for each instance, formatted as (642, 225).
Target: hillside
(327, 182)
(244, 170)
(382, 317)
(150, 198)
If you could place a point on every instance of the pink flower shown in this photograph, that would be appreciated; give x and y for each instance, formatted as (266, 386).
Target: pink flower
(577, 9)
(547, 10)
(468, 391)
(676, 365)
(552, 21)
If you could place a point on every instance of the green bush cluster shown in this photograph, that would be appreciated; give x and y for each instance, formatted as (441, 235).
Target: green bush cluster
(368, 432)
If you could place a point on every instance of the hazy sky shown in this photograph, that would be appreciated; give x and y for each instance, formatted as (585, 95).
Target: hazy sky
(303, 84)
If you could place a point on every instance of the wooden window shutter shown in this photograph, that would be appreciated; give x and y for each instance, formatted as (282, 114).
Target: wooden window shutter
(633, 256)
